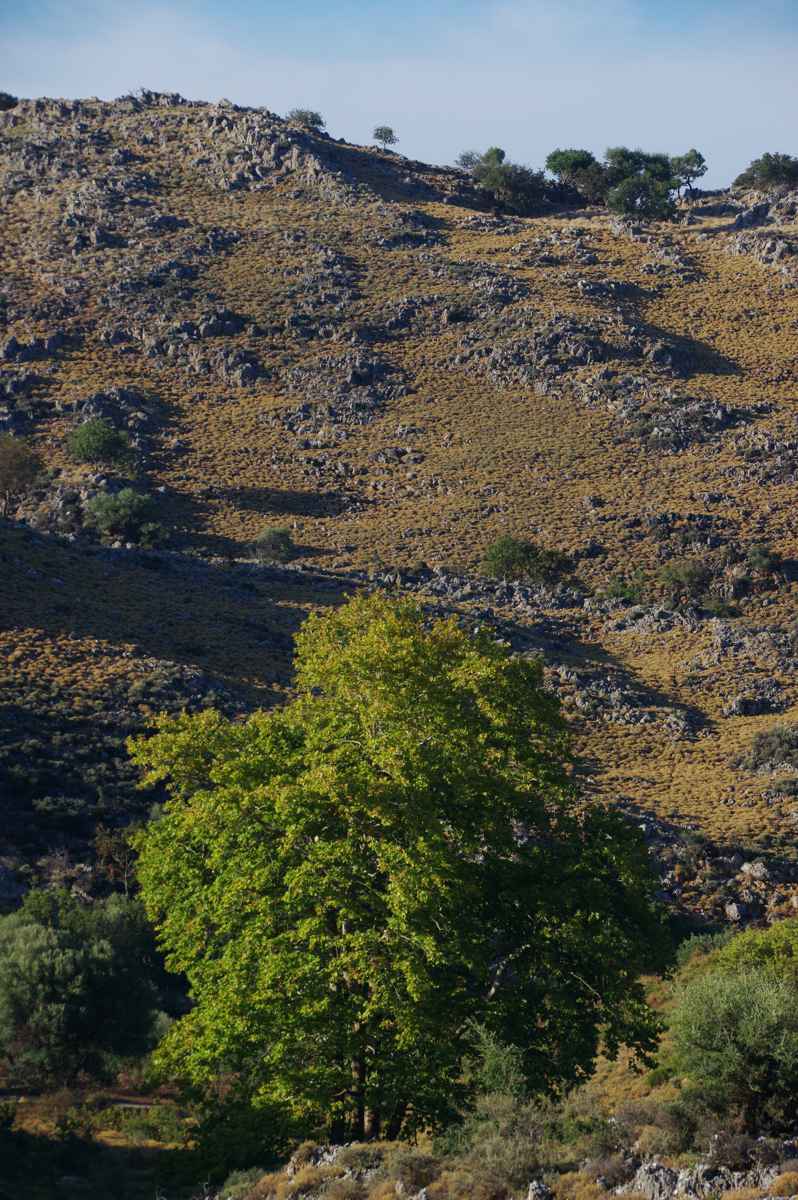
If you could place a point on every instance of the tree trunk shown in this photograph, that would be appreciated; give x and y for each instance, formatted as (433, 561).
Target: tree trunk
(395, 1124)
(359, 1092)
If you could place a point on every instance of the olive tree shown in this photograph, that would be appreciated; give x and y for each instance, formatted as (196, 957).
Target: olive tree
(385, 136)
(689, 167)
(307, 117)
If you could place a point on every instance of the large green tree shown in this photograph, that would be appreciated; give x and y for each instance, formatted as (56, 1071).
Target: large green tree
(350, 881)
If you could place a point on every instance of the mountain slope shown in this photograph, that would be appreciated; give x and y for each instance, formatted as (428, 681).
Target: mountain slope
(297, 332)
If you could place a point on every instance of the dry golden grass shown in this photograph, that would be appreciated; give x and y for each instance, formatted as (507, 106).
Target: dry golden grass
(496, 460)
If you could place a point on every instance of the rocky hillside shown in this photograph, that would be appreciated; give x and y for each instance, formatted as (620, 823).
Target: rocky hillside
(296, 332)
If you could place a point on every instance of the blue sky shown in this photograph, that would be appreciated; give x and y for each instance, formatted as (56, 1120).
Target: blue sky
(528, 75)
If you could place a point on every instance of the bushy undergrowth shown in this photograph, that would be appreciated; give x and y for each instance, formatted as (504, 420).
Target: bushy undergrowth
(274, 545)
(96, 441)
(770, 749)
(517, 558)
(125, 515)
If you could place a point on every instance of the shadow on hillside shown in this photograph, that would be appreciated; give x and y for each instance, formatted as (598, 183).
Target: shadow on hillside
(283, 502)
(559, 643)
(45, 1166)
(393, 177)
(692, 356)
(235, 622)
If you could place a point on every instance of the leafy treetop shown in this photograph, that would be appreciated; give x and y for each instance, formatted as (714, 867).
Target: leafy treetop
(385, 136)
(308, 117)
(350, 881)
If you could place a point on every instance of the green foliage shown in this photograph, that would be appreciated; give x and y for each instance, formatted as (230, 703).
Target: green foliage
(735, 1035)
(515, 558)
(308, 117)
(566, 165)
(771, 748)
(773, 950)
(76, 985)
(581, 170)
(468, 159)
(642, 196)
(509, 183)
(343, 882)
(274, 545)
(124, 515)
(689, 577)
(771, 170)
(385, 136)
(701, 944)
(689, 167)
(632, 587)
(623, 163)
(7, 101)
(20, 467)
(95, 441)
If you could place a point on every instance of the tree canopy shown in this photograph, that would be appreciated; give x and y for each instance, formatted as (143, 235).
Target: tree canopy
(385, 135)
(519, 187)
(770, 170)
(689, 167)
(77, 985)
(308, 117)
(351, 880)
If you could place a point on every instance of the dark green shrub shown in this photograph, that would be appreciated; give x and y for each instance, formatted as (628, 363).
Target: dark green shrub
(630, 587)
(76, 985)
(771, 748)
(274, 545)
(701, 944)
(642, 196)
(95, 441)
(307, 117)
(7, 101)
(521, 188)
(771, 170)
(735, 1035)
(515, 558)
(685, 577)
(124, 515)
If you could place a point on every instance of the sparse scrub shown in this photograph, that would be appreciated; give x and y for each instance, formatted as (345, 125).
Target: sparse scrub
(125, 515)
(686, 578)
(516, 558)
(95, 441)
(308, 117)
(20, 468)
(274, 545)
(771, 748)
